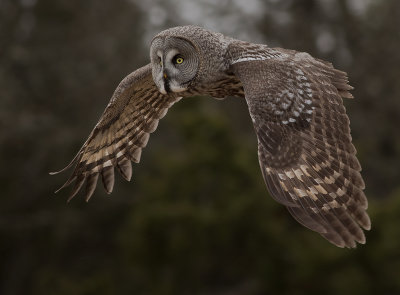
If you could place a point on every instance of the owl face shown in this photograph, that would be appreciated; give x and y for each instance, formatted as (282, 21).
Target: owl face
(175, 63)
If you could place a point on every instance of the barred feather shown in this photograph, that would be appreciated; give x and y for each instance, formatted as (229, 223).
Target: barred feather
(306, 156)
(91, 183)
(123, 130)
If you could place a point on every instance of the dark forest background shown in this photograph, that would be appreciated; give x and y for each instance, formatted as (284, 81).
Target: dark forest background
(196, 218)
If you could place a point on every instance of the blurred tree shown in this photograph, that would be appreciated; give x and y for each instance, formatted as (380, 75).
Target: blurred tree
(217, 231)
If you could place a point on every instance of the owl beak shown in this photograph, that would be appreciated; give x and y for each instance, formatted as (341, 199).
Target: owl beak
(166, 83)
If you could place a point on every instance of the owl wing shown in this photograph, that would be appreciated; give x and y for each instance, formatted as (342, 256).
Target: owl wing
(304, 144)
(122, 131)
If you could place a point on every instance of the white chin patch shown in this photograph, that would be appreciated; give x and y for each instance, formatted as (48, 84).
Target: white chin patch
(162, 89)
(176, 88)
(161, 86)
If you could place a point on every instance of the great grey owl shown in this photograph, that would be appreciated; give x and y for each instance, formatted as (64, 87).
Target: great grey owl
(295, 101)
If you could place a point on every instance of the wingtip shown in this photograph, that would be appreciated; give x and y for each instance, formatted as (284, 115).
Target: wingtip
(367, 226)
(56, 191)
(62, 170)
(67, 183)
(127, 177)
(108, 178)
(68, 166)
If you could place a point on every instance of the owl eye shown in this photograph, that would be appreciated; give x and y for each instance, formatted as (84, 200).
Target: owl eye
(178, 59)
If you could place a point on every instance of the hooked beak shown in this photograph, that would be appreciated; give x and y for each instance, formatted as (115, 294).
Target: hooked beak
(166, 83)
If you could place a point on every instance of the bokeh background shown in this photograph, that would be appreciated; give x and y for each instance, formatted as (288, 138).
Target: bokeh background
(196, 218)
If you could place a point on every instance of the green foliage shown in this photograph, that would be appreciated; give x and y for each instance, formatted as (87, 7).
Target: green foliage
(197, 218)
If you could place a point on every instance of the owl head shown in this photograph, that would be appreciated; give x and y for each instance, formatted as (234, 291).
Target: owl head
(175, 62)
(181, 58)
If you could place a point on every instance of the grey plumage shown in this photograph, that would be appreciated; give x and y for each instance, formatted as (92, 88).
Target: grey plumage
(295, 101)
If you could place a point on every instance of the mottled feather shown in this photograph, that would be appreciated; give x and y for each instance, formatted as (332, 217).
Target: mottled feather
(123, 130)
(306, 155)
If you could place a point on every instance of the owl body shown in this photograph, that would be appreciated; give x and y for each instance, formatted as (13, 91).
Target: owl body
(305, 151)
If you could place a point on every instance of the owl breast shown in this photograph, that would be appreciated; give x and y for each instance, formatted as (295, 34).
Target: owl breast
(230, 85)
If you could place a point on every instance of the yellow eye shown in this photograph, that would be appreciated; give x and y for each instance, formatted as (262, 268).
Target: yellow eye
(179, 60)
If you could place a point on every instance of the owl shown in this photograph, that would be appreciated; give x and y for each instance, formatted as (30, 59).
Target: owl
(305, 152)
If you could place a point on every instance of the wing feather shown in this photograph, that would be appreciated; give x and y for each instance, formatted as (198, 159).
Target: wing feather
(91, 184)
(306, 155)
(121, 133)
(125, 168)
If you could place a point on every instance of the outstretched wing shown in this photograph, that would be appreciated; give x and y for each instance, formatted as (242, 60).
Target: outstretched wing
(122, 131)
(304, 143)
